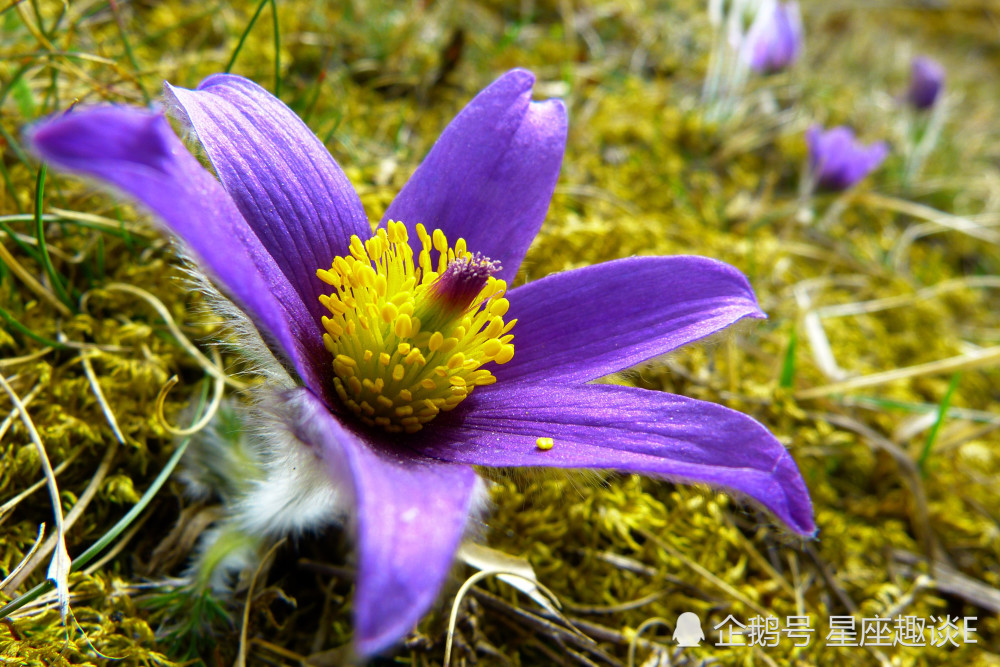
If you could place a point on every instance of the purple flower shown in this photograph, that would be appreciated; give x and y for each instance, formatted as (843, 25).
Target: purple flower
(926, 82)
(774, 41)
(400, 340)
(837, 160)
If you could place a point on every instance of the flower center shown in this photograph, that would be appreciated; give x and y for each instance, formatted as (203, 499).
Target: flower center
(408, 339)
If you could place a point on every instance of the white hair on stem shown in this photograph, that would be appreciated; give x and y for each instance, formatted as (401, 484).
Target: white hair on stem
(281, 486)
(295, 493)
(239, 334)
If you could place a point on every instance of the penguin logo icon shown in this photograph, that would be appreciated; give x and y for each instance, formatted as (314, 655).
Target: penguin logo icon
(688, 632)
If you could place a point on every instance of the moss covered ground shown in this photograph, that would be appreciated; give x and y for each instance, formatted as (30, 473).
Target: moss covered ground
(878, 366)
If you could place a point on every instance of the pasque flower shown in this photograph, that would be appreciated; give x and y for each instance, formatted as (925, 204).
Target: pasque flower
(926, 82)
(775, 39)
(838, 160)
(402, 341)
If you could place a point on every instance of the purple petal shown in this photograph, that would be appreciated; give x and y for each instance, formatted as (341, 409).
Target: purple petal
(135, 151)
(926, 81)
(829, 152)
(411, 513)
(775, 38)
(491, 174)
(838, 160)
(627, 429)
(284, 181)
(866, 159)
(586, 323)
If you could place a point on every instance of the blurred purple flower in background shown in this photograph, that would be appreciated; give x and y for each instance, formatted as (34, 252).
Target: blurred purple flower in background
(926, 82)
(386, 330)
(837, 160)
(775, 39)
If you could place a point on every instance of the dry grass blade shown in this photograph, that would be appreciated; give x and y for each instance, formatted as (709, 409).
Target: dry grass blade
(478, 576)
(920, 519)
(95, 386)
(59, 568)
(14, 361)
(647, 624)
(754, 552)
(58, 541)
(119, 546)
(628, 605)
(32, 283)
(546, 628)
(819, 342)
(210, 413)
(241, 657)
(103, 222)
(923, 212)
(8, 506)
(27, 557)
(189, 347)
(9, 419)
(949, 580)
(74, 515)
(291, 656)
(43, 41)
(697, 567)
(876, 305)
(977, 359)
(484, 558)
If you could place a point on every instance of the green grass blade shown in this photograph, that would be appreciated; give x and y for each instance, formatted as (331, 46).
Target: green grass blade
(120, 232)
(314, 98)
(277, 50)
(38, 17)
(788, 367)
(15, 147)
(880, 403)
(942, 413)
(129, 53)
(194, 19)
(30, 251)
(57, 283)
(20, 328)
(243, 37)
(23, 98)
(7, 87)
(11, 189)
(277, 43)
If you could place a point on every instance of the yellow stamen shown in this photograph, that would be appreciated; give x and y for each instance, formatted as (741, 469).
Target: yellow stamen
(545, 444)
(404, 348)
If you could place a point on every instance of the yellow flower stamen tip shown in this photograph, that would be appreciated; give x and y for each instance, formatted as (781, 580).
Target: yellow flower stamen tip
(545, 444)
(410, 331)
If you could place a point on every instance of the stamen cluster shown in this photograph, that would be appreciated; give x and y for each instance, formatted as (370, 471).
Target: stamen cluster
(409, 338)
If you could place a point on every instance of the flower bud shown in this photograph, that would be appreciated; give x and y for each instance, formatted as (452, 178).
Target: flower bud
(775, 38)
(926, 82)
